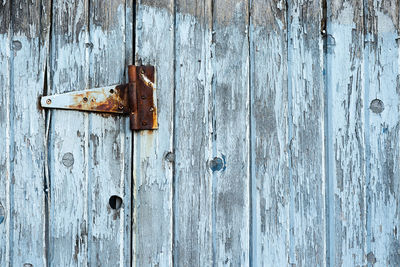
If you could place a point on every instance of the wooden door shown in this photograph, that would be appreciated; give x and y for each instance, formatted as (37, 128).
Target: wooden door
(278, 139)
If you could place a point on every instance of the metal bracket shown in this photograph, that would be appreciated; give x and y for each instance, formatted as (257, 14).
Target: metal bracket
(135, 99)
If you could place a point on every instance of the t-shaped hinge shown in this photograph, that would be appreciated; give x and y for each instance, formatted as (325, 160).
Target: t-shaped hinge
(135, 99)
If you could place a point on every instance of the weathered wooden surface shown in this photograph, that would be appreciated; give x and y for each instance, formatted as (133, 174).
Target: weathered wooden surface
(363, 132)
(346, 129)
(278, 139)
(270, 193)
(153, 150)
(382, 132)
(90, 155)
(193, 107)
(68, 146)
(230, 132)
(23, 52)
(305, 134)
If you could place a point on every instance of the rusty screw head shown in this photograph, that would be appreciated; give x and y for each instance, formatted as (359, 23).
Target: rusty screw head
(143, 97)
(144, 123)
(151, 109)
(121, 107)
(85, 99)
(48, 101)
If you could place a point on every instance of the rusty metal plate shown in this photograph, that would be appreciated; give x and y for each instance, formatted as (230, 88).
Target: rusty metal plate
(143, 115)
(111, 99)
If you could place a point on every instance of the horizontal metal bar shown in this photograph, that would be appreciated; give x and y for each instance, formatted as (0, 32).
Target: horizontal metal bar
(110, 99)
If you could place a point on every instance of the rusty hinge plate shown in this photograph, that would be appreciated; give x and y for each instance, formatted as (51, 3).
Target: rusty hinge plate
(135, 99)
(143, 116)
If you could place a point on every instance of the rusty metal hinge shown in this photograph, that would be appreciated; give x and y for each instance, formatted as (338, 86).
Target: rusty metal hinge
(135, 99)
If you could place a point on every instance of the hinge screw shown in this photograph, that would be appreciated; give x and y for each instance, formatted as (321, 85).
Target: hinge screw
(48, 101)
(151, 109)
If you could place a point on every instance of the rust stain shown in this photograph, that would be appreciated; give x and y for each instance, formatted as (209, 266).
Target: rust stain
(114, 102)
(155, 122)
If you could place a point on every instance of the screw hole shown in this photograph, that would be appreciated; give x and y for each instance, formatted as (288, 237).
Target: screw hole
(115, 202)
(217, 164)
(85, 99)
(112, 91)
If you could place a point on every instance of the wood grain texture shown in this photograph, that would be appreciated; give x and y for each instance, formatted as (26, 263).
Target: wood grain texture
(269, 133)
(152, 172)
(109, 139)
(275, 147)
(68, 137)
(346, 143)
(24, 40)
(306, 139)
(193, 104)
(90, 158)
(381, 111)
(230, 132)
(4, 133)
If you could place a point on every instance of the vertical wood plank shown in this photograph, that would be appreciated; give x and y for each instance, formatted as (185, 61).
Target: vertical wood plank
(91, 160)
(24, 40)
(269, 133)
(152, 171)
(68, 137)
(306, 129)
(109, 140)
(4, 131)
(230, 132)
(23, 55)
(346, 151)
(193, 100)
(381, 109)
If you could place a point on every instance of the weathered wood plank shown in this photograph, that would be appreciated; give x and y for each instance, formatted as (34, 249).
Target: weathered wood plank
(345, 134)
(68, 137)
(24, 40)
(152, 171)
(109, 140)
(193, 103)
(269, 134)
(92, 153)
(230, 132)
(306, 129)
(381, 109)
(4, 132)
